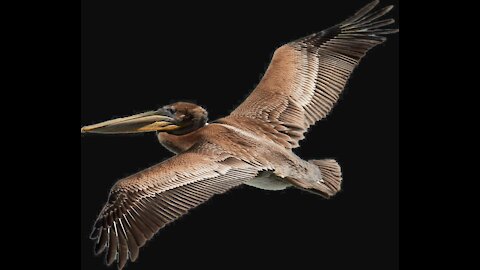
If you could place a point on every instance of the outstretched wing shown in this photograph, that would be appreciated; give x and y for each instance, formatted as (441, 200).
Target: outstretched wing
(142, 204)
(306, 77)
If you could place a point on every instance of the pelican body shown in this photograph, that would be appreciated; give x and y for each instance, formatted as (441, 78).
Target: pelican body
(253, 145)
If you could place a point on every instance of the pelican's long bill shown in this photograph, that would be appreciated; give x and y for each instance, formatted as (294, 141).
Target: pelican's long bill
(145, 122)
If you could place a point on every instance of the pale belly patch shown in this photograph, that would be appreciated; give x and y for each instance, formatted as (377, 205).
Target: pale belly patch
(267, 182)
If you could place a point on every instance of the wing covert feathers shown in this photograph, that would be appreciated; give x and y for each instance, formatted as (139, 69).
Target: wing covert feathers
(306, 77)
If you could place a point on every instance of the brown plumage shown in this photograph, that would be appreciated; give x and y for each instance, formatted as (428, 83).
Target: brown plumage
(253, 145)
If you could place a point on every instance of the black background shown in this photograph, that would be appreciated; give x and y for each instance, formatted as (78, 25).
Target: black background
(137, 57)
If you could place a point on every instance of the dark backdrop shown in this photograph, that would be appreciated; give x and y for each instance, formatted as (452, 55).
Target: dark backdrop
(138, 57)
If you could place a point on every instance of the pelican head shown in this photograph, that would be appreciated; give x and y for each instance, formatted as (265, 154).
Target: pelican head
(178, 118)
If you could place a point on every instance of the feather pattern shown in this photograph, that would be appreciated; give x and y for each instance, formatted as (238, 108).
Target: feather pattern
(140, 205)
(306, 77)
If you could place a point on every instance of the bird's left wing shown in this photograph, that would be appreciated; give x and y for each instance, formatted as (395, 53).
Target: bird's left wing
(306, 77)
(142, 204)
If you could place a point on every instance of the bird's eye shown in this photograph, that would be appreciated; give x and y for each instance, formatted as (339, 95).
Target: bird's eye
(170, 110)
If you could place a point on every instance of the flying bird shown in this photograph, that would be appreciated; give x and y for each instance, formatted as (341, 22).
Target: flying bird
(253, 145)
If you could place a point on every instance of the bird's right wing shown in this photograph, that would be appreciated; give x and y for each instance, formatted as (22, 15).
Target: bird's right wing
(142, 204)
(306, 77)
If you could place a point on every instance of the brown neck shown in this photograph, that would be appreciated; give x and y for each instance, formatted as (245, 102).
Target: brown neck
(178, 143)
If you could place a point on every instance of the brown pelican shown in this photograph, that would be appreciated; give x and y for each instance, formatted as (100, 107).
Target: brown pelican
(253, 145)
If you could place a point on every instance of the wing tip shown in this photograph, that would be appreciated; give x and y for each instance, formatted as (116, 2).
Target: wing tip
(94, 234)
(366, 23)
(389, 8)
(367, 15)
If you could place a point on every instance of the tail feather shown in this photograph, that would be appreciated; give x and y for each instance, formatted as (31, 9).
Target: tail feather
(331, 174)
